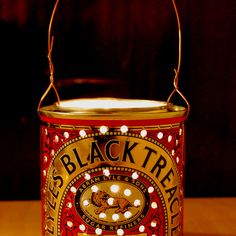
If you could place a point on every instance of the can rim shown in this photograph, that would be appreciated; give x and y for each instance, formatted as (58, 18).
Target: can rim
(111, 107)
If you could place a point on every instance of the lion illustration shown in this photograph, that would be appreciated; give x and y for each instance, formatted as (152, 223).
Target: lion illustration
(104, 201)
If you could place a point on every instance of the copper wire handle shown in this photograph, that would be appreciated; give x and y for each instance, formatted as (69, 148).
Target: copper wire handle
(176, 78)
(51, 66)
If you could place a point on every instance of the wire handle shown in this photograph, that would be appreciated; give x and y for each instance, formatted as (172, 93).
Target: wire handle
(176, 78)
(51, 66)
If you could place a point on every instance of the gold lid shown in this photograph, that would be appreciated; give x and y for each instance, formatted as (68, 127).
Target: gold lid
(115, 108)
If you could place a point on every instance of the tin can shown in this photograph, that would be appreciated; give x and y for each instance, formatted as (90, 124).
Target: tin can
(112, 167)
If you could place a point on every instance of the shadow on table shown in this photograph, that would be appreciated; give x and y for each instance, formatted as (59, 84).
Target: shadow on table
(207, 234)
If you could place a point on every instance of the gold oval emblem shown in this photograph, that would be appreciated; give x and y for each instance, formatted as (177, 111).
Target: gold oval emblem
(112, 198)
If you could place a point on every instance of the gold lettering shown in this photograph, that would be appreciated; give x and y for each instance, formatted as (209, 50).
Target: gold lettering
(52, 191)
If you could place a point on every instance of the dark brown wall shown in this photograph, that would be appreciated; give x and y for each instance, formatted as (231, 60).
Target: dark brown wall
(133, 43)
(212, 82)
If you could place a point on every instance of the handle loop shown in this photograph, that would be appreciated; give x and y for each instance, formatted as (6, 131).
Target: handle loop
(176, 78)
(51, 66)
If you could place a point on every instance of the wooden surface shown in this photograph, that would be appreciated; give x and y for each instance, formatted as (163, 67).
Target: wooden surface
(203, 217)
(210, 217)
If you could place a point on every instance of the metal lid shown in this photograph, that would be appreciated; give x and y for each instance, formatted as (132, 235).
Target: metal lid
(115, 108)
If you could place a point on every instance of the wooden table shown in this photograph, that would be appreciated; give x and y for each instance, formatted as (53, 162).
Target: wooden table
(202, 217)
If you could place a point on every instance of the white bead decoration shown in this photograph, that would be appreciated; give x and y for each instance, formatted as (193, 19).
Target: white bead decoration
(73, 189)
(82, 227)
(103, 129)
(69, 223)
(82, 133)
(120, 232)
(160, 135)
(98, 231)
(66, 135)
(135, 175)
(151, 189)
(124, 129)
(143, 133)
(141, 228)
(154, 205)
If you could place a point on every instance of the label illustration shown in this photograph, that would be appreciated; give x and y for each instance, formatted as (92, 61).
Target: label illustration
(112, 184)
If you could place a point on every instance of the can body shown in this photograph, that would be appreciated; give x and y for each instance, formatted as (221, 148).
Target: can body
(112, 173)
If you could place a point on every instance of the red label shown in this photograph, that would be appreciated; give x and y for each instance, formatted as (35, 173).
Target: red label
(112, 180)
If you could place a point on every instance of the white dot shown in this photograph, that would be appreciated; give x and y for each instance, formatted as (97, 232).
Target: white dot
(173, 152)
(56, 139)
(141, 228)
(94, 188)
(85, 202)
(114, 188)
(82, 133)
(110, 201)
(127, 192)
(151, 189)
(44, 172)
(87, 176)
(176, 142)
(66, 135)
(137, 203)
(98, 231)
(102, 215)
(115, 217)
(106, 172)
(160, 135)
(45, 159)
(135, 175)
(127, 214)
(180, 131)
(69, 205)
(154, 205)
(143, 133)
(124, 129)
(73, 189)
(169, 138)
(69, 223)
(46, 131)
(82, 227)
(52, 152)
(177, 159)
(103, 129)
(120, 232)
(153, 223)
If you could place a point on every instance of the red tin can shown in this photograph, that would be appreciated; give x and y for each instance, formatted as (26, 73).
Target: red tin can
(112, 167)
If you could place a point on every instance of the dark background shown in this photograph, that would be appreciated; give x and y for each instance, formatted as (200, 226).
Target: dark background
(133, 45)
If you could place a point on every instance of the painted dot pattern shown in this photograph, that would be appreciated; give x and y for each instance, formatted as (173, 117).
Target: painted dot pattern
(104, 130)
